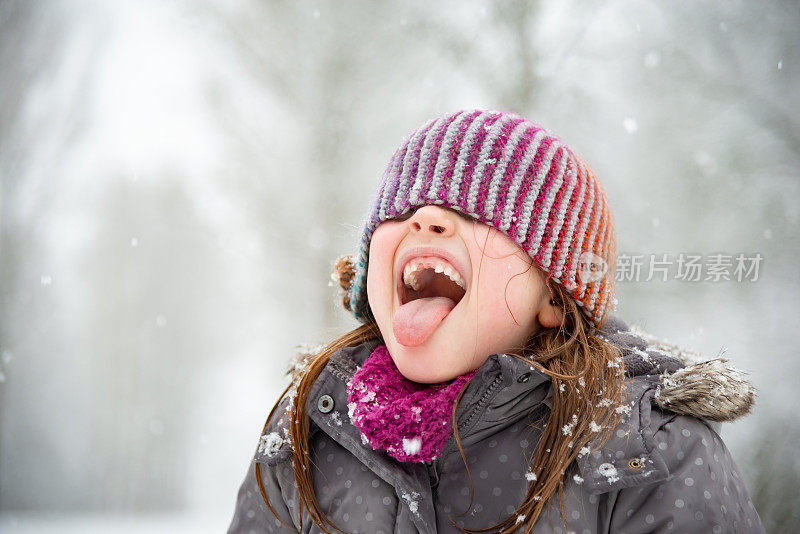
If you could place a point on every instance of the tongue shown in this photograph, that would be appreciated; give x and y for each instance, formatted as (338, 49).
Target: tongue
(415, 321)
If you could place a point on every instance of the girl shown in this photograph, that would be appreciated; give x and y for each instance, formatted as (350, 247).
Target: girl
(488, 388)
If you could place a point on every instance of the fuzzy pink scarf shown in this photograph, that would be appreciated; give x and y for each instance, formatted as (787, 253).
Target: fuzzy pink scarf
(410, 421)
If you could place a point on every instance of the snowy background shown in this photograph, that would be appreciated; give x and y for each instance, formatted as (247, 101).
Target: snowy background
(177, 177)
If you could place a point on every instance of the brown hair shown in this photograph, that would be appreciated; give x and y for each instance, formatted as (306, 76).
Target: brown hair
(588, 385)
(587, 376)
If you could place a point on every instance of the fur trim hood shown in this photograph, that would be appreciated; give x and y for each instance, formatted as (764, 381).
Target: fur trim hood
(689, 383)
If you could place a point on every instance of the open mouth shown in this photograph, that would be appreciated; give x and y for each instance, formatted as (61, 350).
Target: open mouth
(431, 287)
(431, 277)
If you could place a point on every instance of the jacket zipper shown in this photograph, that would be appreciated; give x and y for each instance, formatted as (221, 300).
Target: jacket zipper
(478, 407)
(433, 473)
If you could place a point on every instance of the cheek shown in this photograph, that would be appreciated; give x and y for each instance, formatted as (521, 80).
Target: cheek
(379, 275)
(519, 281)
(524, 292)
(510, 289)
(376, 283)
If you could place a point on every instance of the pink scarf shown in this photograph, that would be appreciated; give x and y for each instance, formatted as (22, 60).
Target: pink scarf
(410, 421)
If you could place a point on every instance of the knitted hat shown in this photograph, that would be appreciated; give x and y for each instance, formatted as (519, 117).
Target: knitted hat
(511, 174)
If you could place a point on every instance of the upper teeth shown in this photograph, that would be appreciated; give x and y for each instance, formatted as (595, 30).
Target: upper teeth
(415, 266)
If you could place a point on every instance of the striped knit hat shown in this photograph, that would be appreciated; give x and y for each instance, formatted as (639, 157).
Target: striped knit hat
(511, 174)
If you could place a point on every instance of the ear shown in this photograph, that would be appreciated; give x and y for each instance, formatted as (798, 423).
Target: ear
(551, 315)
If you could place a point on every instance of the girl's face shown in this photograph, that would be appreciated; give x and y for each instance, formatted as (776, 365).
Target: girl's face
(487, 297)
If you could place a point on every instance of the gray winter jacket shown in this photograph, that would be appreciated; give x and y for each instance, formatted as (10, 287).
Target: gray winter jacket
(665, 468)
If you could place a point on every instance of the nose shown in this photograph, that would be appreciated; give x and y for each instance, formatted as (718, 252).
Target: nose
(432, 220)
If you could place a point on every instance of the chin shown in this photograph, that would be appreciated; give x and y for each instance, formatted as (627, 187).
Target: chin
(415, 363)
(420, 375)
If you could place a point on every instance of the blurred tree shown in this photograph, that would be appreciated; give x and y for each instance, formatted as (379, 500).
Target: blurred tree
(504, 61)
(34, 130)
(153, 280)
(325, 67)
(104, 329)
(732, 170)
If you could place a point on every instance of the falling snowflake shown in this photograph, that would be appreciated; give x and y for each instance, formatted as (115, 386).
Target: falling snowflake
(630, 125)
(652, 60)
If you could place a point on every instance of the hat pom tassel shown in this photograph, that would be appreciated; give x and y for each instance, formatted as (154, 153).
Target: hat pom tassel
(344, 270)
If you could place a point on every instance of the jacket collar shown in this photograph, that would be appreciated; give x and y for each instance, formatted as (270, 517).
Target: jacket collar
(687, 382)
(504, 386)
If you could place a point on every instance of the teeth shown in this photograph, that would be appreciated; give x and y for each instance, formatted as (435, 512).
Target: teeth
(410, 279)
(455, 277)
